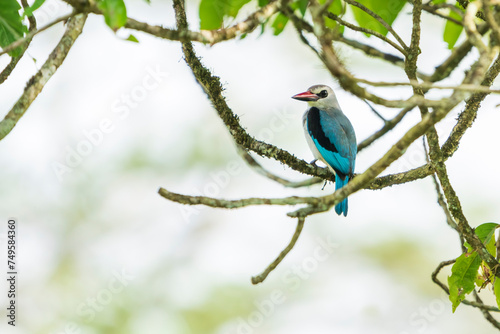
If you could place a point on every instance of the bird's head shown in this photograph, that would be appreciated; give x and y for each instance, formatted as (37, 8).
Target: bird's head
(319, 96)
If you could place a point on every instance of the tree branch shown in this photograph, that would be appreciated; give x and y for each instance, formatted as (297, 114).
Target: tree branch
(38, 81)
(235, 204)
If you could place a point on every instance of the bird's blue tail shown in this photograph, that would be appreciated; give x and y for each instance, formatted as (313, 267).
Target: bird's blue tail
(341, 208)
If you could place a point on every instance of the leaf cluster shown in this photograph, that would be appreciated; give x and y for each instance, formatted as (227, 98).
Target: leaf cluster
(469, 271)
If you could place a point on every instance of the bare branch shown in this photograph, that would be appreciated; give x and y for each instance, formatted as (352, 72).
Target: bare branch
(433, 9)
(401, 178)
(235, 204)
(486, 312)
(436, 272)
(375, 111)
(38, 81)
(260, 278)
(388, 126)
(440, 197)
(365, 30)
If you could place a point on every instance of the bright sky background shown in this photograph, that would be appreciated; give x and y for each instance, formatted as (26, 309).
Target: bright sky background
(187, 270)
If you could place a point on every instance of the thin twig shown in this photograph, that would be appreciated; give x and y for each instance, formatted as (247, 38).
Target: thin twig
(374, 33)
(436, 272)
(235, 204)
(486, 313)
(388, 126)
(376, 112)
(440, 197)
(31, 18)
(428, 86)
(380, 20)
(434, 11)
(260, 278)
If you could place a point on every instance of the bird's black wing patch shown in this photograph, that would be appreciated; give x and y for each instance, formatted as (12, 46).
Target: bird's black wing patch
(316, 131)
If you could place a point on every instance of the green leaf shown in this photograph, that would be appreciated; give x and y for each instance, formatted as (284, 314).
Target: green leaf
(29, 11)
(11, 25)
(212, 12)
(496, 289)
(479, 281)
(302, 5)
(132, 38)
(279, 24)
(115, 13)
(486, 233)
(387, 10)
(234, 6)
(262, 3)
(452, 30)
(463, 276)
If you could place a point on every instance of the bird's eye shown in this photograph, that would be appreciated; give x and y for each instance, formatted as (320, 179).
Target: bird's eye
(323, 94)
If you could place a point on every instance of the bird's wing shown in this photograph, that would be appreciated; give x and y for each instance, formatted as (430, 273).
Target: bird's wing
(332, 140)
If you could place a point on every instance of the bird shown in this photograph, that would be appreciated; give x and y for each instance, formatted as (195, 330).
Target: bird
(330, 136)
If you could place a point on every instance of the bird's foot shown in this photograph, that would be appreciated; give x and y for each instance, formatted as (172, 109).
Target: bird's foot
(324, 185)
(314, 163)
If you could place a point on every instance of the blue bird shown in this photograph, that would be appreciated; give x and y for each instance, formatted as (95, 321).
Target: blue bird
(330, 135)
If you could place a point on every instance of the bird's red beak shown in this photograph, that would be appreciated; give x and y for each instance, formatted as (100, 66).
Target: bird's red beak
(306, 96)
